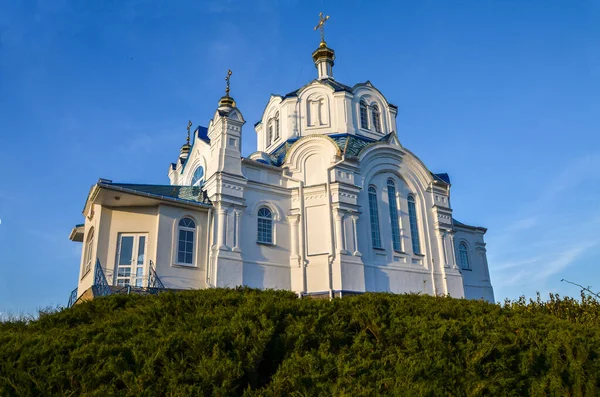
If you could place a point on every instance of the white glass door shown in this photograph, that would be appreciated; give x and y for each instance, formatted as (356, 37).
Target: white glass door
(131, 259)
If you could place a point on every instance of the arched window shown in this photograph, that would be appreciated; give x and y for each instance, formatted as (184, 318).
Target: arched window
(89, 248)
(364, 117)
(270, 133)
(463, 254)
(265, 226)
(376, 118)
(185, 241)
(277, 126)
(374, 214)
(414, 226)
(391, 188)
(198, 177)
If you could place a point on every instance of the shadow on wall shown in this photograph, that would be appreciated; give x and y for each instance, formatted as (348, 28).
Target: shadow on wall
(254, 276)
(382, 281)
(377, 280)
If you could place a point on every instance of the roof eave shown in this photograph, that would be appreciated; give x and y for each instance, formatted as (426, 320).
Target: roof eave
(154, 196)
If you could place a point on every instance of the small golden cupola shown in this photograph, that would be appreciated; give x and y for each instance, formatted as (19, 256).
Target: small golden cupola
(227, 101)
(185, 149)
(323, 56)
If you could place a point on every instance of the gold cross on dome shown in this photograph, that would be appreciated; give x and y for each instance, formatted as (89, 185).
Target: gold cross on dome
(321, 25)
(188, 130)
(227, 80)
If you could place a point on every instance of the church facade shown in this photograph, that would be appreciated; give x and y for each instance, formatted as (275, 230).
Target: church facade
(330, 204)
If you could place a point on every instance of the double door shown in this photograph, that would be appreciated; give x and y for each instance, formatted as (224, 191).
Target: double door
(131, 259)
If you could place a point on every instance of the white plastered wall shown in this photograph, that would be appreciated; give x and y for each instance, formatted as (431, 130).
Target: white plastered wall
(476, 280)
(265, 266)
(108, 223)
(171, 274)
(159, 223)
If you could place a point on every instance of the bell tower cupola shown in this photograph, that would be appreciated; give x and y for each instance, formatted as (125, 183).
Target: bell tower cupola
(185, 148)
(227, 101)
(323, 56)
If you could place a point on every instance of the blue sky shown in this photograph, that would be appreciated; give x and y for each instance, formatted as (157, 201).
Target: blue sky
(503, 95)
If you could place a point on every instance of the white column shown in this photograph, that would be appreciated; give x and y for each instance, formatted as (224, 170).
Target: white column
(355, 236)
(453, 249)
(221, 228)
(294, 257)
(443, 257)
(339, 232)
(236, 231)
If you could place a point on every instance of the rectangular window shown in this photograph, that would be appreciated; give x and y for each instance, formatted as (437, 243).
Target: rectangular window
(131, 260)
(186, 247)
(374, 214)
(265, 232)
(141, 256)
(394, 217)
(414, 228)
(364, 122)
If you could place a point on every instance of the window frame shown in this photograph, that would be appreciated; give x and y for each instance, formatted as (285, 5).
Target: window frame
(199, 182)
(364, 121)
(374, 218)
(277, 135)
(179, 228)
(88, 253)
(393, 208)
(134, 264)
(376, 118)
(269, 133)
(271, 224)
(415, 237)
(460, 256)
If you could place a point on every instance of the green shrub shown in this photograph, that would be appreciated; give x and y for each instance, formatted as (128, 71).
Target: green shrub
(250, 342)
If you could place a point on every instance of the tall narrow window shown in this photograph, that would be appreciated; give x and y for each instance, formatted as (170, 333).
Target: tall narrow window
(185, 247)
(270, 133)
(140, 261)
(375, 236)
(277, 126)
(391, 188)
(463, 254)
(364, 117)
(265, 226)
(376, 118)
(414, 227)
(89, 245)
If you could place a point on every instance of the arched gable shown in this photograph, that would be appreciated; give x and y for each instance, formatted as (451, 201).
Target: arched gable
(315, 85)
(383, 156)
(310, 155)
(373, 97)
(194, 162)
(314, 106)
(273, 108)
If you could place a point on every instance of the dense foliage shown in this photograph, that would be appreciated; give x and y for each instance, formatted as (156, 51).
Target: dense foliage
(249, 342)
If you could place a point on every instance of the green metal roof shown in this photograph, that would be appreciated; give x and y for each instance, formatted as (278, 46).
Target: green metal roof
(189, 194)
(351, 145)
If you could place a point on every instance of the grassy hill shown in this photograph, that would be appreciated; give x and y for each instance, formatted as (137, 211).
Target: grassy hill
(249, 342)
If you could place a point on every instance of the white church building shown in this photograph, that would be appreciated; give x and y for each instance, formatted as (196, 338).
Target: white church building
(330, 204)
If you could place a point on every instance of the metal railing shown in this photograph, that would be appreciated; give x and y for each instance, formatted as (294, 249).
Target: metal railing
(101, 286)
(153, 280)
(72, 298)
